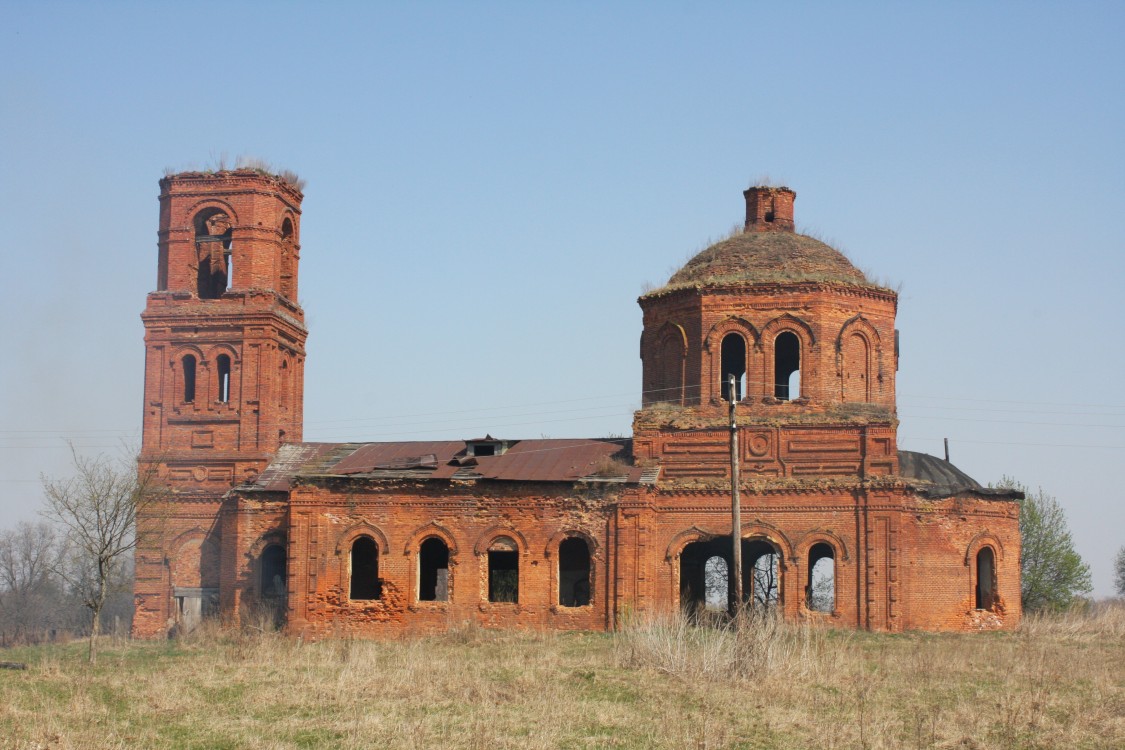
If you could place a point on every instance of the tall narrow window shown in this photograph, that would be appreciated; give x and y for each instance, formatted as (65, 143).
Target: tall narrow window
(574, 572)
(222, 364)
(288, 253)
(433, 571)
(273, 571)
(503, 571)
(857, 380)
(820, 591)
(283, 386)
(761, 563)
(189, 378)
(986, 578)
(365, 582)
(787, 366)
(162, 269)
(666, 370)
(733, 360)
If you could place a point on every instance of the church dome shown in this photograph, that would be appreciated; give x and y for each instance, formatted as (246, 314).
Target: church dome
(753, 257)
(767, 251)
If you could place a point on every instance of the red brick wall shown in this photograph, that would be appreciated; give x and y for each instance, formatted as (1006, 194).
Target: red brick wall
(900, 560)
(324, 522)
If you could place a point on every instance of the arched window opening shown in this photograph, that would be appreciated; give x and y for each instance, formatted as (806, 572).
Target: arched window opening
(986, 579)
(273, 571)
(213, 232)
(503, 571)
(189, 378)
(283, 386)
(705, 579)
(762, 566)
(787, 366)
(820, 591)
(287, 257)
(365, 582)
(433, 571)
(856, 369)
(574, 572)
(222, 365)
(733, 362)
(667, 379)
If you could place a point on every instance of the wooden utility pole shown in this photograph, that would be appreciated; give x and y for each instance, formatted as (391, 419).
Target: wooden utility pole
(735, 503)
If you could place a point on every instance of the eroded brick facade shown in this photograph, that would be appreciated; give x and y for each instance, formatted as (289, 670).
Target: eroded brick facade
(381, 538)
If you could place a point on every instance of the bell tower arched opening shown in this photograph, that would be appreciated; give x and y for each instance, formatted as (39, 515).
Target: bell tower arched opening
(213, 238)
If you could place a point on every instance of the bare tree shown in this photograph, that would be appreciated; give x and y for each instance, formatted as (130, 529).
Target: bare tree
(766, 589)
(96, 509)
(1119, 572)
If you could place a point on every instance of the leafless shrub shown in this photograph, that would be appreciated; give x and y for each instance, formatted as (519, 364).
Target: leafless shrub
(712, 646)
(1084, 622)
(610, 467)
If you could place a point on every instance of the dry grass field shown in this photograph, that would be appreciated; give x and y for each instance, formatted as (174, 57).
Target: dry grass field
(1059, 682)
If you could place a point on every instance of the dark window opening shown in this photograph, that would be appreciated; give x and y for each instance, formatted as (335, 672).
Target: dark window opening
(503, 572)
(162, 269)
(698, 573)
(273, 571)
(365, 570)
(213, 232)
(484, 450)
(820, 591)
(733, 362)
(222, 363)
(189, 378)
(574, 572)
(761, 563)
(986, 579)
(287, 255)
(283, 386)
(433, 571)
(787, 366)
(707, 583)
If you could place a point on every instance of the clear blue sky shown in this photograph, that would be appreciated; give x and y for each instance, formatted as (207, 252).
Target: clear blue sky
(491, 184)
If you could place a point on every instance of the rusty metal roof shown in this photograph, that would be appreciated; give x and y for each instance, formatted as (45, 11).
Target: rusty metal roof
(545, 460)
(289, 460)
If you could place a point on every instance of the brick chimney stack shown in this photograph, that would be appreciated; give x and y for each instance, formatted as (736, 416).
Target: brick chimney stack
(769, 209)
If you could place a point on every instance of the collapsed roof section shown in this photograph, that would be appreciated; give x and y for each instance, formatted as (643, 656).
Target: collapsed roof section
(606, 460)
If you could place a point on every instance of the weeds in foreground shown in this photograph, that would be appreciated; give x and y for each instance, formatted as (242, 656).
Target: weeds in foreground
(661, 682)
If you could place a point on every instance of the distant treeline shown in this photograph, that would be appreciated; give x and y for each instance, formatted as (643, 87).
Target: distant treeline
(37, 604)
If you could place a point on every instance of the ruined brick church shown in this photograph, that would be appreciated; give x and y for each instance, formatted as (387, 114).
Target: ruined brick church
(838, 526)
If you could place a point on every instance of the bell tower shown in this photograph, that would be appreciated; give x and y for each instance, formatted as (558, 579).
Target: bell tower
(224, 335)
(224, 376)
